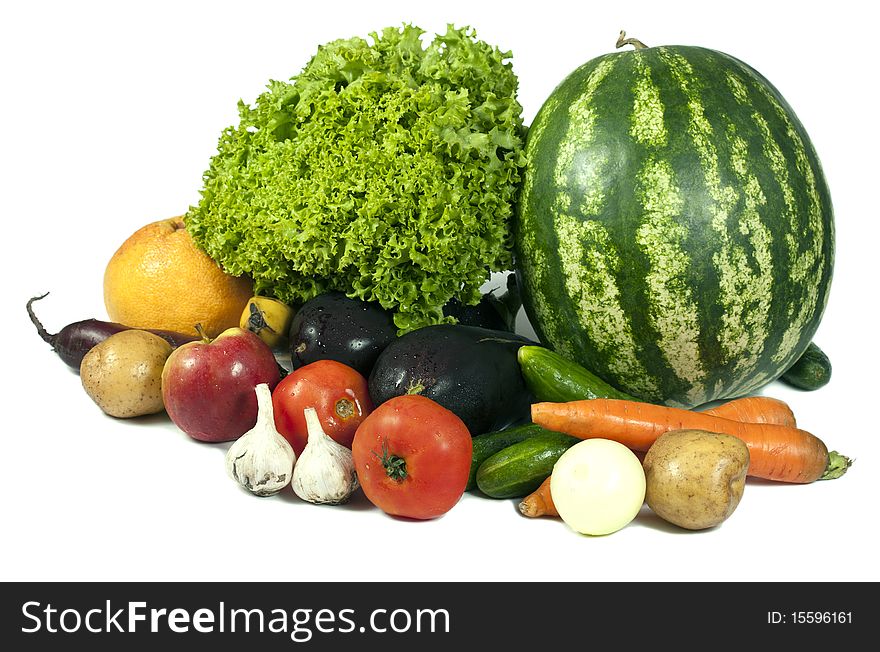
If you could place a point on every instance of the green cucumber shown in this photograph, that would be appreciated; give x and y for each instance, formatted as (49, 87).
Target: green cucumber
(519, 469)
(811, 371)
(551, 377)
(490, 443)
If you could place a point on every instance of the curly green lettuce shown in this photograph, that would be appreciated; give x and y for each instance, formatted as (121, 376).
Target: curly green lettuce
(385, 170)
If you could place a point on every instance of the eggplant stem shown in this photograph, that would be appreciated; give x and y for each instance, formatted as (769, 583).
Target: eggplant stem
(48, 337)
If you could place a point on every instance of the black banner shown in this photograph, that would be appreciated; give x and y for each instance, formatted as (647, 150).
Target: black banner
(317, 616)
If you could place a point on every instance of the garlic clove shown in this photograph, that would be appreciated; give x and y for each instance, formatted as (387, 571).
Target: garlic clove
(325, 473)
(261, 460)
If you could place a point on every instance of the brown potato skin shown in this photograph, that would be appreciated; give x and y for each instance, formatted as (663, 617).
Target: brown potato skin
(123, 374)
(694, 478)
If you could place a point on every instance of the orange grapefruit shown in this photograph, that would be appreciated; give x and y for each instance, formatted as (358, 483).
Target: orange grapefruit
(159, 278)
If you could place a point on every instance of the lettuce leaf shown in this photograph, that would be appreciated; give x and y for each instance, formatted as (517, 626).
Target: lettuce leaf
(385, 170)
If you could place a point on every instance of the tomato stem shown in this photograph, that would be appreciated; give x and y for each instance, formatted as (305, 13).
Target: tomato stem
(344, 409)
(395, 466)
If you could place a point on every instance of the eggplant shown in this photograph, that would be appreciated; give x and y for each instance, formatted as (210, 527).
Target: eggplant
(332, 326)
(73, 341)
(494, 311)
(469, 370)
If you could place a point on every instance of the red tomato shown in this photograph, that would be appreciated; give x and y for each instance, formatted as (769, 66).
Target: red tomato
(338, 393)
(413, 457)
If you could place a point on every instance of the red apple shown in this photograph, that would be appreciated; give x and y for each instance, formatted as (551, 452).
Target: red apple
(208, 385)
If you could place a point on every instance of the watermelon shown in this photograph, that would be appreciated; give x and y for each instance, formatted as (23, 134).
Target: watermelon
(674, 232)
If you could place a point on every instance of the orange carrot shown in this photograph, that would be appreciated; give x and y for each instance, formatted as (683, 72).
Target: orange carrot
(755, 409)
(539, 502)
(777, 452)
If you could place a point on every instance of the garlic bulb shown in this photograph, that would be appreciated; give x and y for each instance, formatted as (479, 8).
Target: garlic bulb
(261, 460)
(325, 471)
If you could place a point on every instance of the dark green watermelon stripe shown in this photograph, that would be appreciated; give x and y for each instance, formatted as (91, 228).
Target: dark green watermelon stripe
(776, 169)
(688, 381)
(759, 172)
(806, 265)
(666, 301)
(768, 162)
(794, 302)
(742, 263)
(581, 180)
(777, 178)
(745, 259)
(536, 237)
(807, 269)
(758, 292)
(733, 339)
(589, 262)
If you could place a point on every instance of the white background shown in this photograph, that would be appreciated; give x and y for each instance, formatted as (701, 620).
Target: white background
(109, 114)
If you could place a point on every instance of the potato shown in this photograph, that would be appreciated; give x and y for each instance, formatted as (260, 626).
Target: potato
(695, 479)
(123, 374)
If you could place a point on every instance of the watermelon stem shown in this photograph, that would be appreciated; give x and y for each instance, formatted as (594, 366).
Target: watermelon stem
(636, 43)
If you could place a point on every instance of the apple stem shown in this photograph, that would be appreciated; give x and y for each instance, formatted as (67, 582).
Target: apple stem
(201, 331)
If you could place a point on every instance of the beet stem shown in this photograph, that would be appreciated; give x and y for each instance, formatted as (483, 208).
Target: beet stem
(48, 337)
